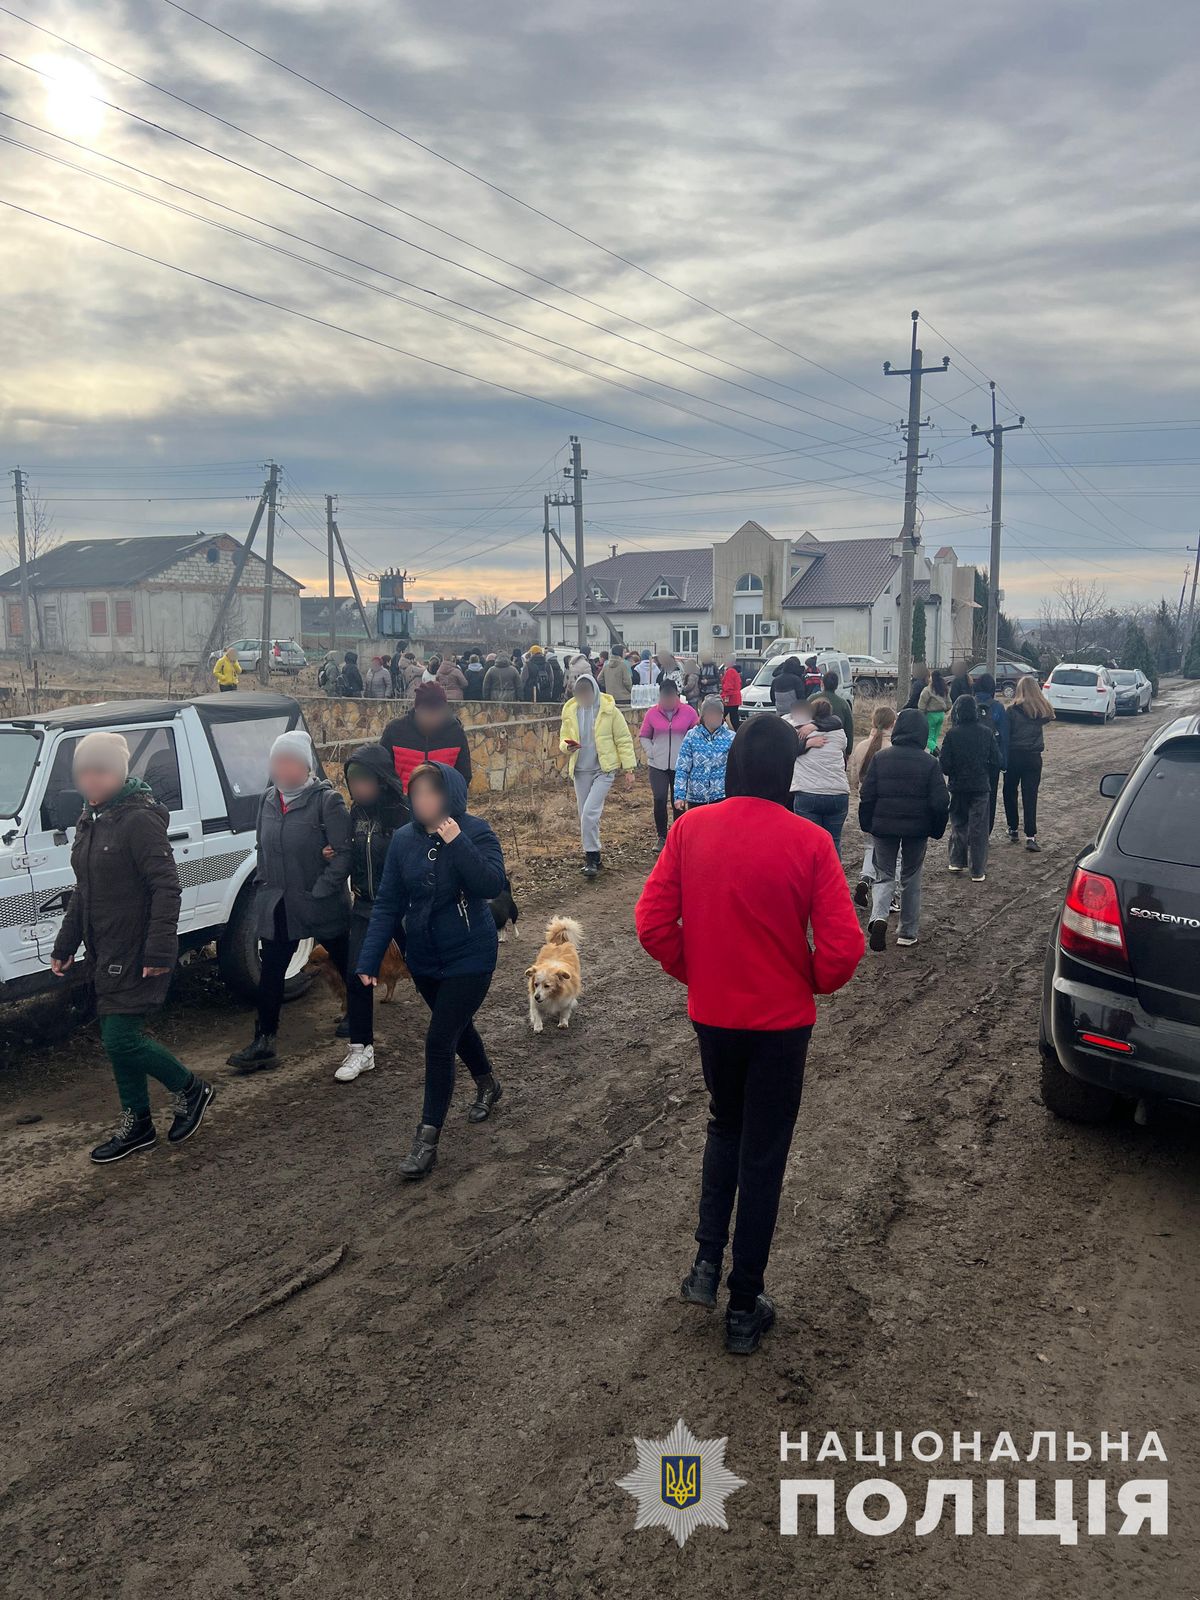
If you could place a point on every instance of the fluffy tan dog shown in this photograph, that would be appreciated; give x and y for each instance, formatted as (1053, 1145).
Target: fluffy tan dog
(391, 970)
(554, 979)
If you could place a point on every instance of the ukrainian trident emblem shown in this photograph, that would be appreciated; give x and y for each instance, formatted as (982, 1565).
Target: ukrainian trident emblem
(680, 1483)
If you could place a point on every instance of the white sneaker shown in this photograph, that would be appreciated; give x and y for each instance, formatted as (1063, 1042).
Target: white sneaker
(979, 877)
(359, 1058)
(958, 869)
(906, 940)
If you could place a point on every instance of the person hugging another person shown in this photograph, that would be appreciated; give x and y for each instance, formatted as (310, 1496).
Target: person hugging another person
(442, 869)
(934, 702)
(820, 787)
(970, 758)
(661, 733)
(124, 910)
(595, 736)
(700, 765)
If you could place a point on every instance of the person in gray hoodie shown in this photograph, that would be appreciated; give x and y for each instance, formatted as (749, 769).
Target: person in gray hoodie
(300, 893)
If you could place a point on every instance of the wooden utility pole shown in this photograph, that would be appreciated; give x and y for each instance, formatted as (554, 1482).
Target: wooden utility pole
(910, 539)
(1187, 637)
(264, 654)
(329, 550)
(23, 564)
(995, 437)
(546, 537)
(239, 566)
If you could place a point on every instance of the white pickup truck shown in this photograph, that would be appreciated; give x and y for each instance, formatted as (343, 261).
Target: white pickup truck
(205, 760)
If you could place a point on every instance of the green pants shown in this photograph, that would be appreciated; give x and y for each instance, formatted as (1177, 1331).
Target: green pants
(135, 1056)
(936, 718)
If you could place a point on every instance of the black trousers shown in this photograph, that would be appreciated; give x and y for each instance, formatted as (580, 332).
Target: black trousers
(662, 787)
(360, 1000)
(452, 1004)
(754, 1082)
(1024, 772)
(992, 802)
(734, 713)
(277, 956)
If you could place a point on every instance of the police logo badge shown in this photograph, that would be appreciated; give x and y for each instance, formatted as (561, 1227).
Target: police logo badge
(680, 1483)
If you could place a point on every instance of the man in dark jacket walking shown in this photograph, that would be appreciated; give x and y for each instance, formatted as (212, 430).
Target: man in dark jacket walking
(428, 733)
(842, 709)
(124, 910)
(350, 679)
(903, 803)
(970, 758)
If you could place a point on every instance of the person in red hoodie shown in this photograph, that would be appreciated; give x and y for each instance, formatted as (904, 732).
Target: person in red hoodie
(429, 732)
(731, 695)
(753, 1016)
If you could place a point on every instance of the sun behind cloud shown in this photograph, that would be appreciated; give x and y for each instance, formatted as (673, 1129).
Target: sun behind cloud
(71, 103)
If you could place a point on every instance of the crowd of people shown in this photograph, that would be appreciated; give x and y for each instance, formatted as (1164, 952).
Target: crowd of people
(400, 864)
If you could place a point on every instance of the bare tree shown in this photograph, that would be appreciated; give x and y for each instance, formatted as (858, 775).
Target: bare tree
(488, 605)
(1071, 618)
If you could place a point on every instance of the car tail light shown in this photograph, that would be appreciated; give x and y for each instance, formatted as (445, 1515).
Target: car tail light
(1091, 921)
(1105, 1043)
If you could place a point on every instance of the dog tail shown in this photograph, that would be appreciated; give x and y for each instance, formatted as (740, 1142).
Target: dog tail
(563, 930)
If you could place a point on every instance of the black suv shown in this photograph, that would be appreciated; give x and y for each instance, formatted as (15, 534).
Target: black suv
(1121, 1000)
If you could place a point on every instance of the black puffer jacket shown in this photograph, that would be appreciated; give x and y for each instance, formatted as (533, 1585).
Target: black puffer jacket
(372, 827)
(125, 905)
(904, 795)
(970, 757)
(292, 869)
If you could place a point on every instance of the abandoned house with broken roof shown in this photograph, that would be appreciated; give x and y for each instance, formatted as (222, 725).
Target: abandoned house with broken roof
(151, 600)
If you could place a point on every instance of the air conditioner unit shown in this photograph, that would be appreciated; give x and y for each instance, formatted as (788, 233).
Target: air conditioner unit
(768, 630)
(720, 631)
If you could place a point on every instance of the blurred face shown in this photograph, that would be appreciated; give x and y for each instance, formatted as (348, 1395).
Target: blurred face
(363, 785)
(712, 718)
(427, 801)
(97, 785)
(584, 692)
(289, 772)
(427, 718)
(669, 701)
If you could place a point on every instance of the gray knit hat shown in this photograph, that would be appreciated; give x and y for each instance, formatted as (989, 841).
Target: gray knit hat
(712, 702)
(297, 743)
(102, 752)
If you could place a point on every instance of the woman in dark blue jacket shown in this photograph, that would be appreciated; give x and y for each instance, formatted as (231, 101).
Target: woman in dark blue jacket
(442, 869)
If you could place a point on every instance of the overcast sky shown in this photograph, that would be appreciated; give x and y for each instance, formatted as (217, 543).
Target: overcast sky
(1024, 175)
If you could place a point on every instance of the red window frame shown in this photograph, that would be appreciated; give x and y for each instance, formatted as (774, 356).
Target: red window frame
(98, 612)
(123, 618)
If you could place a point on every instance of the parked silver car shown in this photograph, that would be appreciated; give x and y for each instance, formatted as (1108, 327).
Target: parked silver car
(286, 655)
(1134, 690)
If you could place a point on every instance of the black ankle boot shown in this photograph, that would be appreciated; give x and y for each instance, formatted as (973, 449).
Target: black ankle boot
(133, 1133)
(487, 1092)
(699, 1288)
(190, 1106)
(256, 1057)
(422, 1158)
(744, 1329)
(591, 863)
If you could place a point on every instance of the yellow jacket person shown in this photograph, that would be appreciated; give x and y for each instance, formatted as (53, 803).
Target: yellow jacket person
(596, 737)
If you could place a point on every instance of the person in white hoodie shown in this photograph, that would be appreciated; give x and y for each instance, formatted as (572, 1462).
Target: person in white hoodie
(820, 788)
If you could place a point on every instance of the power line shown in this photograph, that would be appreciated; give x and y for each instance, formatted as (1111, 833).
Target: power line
(527, 205)
(416, 217)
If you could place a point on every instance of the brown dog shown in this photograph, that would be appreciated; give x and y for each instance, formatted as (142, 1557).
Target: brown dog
(391, 970)
(554, 979)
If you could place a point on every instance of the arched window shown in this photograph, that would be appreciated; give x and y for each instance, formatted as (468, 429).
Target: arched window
(748, 583)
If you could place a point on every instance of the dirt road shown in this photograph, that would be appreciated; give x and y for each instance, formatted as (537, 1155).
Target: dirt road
(260, 1366)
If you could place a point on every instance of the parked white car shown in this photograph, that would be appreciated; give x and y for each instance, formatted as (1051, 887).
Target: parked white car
(756, 696)
(205, 760)
(285, 655)
(1076, 688)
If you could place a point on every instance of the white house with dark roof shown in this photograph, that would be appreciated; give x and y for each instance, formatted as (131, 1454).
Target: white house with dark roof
(734, 597)
(147, 599)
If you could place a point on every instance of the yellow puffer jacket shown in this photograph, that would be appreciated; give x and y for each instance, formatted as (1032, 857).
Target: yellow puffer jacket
(614, 742)
(227, 671)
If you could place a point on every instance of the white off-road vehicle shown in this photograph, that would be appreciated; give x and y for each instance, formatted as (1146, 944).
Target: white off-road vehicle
(205, 760)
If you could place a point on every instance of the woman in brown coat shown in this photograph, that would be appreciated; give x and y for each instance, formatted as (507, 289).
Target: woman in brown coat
(125, 913)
